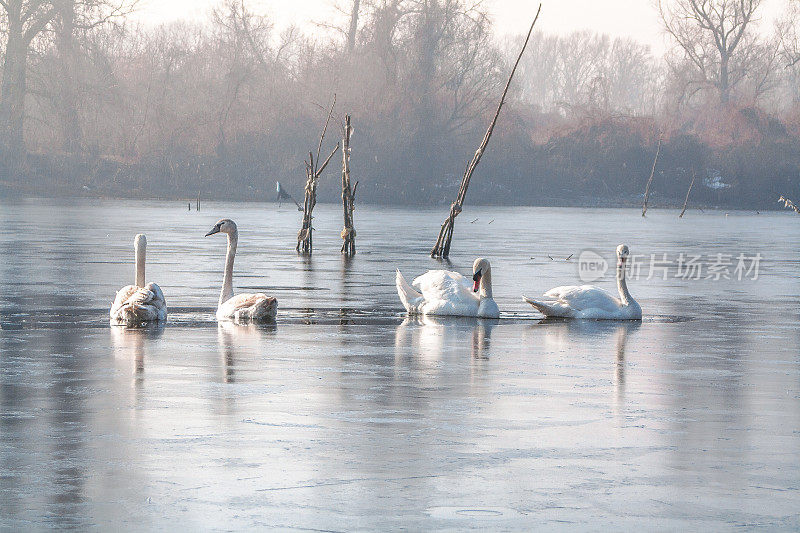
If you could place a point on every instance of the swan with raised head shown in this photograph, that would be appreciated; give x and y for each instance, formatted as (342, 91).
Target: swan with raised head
(588, 301)
(441, 292)
(254, 307)
(141, 303)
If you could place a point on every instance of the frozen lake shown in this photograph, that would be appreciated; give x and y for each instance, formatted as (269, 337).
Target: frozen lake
(346, 416)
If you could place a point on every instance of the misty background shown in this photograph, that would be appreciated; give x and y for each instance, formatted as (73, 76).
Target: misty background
(99, 100)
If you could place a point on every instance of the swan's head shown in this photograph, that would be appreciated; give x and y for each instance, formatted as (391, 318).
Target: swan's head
(140, 241)
(622, 254)
(224, 225)
(479, 269)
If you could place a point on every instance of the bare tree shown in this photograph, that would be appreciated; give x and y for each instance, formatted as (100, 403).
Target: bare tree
(586, 70)
(713, 36)
(788, 30)
(74, 20)
(351, 32)
(25, 20)
(236, 45)
(69, 69)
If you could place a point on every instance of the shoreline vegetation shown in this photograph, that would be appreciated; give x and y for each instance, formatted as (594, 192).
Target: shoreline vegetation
(563, 172)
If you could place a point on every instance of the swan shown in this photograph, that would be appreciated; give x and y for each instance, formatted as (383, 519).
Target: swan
(588, 301)
(257, 307)
(138, 304)
(449, 293)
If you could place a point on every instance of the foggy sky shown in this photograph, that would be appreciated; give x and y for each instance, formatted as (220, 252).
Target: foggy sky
(629, 18)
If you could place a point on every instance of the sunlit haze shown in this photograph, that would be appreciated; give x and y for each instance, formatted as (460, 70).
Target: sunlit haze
(624, 18)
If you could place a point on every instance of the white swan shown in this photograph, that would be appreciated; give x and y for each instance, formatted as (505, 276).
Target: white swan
(139, 304)
(256, 307)
(587, 301)
(449, 293)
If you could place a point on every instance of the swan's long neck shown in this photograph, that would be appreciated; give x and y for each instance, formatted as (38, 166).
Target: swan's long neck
(141, 251)
(486, 284)
(624, 295)
(227, 280)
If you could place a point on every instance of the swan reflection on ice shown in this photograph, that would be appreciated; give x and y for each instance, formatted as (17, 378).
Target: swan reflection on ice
(129, 347)
(234, 338)
(582, 338)
(428, 339)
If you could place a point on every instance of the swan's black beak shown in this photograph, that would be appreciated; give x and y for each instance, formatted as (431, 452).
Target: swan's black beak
(214, 230)
(476, 278)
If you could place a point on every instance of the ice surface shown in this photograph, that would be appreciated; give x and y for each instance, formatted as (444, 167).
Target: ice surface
(347, 416)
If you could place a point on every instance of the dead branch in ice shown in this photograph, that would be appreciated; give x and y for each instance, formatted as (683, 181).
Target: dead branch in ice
(650, 181)
(305, 242)
(348, 192)
(442, 247)
(686, 201)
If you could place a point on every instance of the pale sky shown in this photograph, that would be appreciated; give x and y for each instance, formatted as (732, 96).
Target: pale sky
(631, 18)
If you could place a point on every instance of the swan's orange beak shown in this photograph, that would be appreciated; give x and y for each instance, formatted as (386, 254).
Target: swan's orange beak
(476, 279)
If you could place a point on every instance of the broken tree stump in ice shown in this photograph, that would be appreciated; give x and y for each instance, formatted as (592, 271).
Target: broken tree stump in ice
(348, 193)
(305, 243)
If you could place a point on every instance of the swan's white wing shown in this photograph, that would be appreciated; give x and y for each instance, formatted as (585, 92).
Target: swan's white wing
(158, 302)
(410, 298)
(559, 292)
(583, 297)
(446, 293)
(158, 295)
(553, 308)
(444, 285)
(139, 304)
(248, 307)
(142, 296)
(122, 296)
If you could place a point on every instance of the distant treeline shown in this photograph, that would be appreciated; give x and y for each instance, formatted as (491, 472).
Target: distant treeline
(228, 107)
